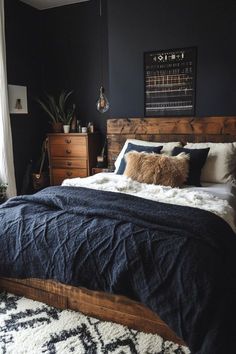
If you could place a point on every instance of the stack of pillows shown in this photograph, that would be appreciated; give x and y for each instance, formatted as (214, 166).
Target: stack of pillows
(171, 164)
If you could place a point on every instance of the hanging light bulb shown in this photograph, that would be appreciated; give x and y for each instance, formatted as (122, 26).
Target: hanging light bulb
(102, 103)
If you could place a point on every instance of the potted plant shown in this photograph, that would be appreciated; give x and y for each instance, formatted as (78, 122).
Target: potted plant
(66, 112)
(3, 192)
(57, 110)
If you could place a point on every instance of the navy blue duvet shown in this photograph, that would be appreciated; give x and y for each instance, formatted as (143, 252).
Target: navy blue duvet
(179, 261)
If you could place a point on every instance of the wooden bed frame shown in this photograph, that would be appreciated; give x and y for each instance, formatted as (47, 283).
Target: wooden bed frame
(117, 308)
(184, 129)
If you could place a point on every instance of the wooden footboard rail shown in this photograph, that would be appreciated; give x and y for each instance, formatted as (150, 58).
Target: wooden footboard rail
(104, 306)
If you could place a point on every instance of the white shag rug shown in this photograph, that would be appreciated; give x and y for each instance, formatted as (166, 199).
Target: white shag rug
(31, 327)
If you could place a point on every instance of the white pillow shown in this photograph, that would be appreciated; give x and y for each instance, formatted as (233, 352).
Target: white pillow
(220, 166)
(167, 148)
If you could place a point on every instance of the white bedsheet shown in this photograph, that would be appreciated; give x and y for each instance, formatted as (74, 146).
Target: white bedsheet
(226, 191)
(219, 199)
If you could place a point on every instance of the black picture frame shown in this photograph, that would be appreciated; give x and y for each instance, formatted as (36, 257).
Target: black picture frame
(170, 82)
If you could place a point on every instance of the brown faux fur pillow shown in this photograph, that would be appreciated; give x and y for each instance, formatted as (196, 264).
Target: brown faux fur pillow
(157, 169)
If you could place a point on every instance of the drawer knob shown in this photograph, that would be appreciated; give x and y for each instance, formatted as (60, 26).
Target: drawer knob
(69, 163)
(68, 141)
(69, 174)
(68, 151)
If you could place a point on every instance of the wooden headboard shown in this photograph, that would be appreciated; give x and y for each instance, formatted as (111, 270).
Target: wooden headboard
(199, 129)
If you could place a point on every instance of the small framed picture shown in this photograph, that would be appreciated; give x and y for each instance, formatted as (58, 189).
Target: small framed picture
(170, 82)
(17, 99)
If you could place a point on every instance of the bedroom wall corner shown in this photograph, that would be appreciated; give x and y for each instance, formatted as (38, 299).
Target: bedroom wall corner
(138, 26)
(24, 67)
(72, 57)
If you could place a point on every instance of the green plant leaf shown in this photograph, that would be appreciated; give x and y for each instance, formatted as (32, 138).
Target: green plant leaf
(68, 95)
(58, 111)
(64, 113)
(54, 107)
(62, 101)
(43, 105)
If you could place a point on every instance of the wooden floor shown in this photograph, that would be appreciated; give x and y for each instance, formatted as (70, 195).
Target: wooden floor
(104, 306)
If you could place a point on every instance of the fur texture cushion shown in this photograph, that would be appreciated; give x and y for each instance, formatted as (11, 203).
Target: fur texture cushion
(157, 169)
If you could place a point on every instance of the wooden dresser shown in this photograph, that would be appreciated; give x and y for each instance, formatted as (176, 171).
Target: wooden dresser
(72, 155)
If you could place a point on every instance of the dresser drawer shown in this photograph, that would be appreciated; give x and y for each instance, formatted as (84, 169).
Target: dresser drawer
(67, 140)
(68, 151)
(72, 155)
(59, 174)
(69, 163)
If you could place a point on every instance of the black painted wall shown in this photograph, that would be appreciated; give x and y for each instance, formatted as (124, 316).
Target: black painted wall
(60, 49)
(24, 67)
(73, 58)
(144, 25)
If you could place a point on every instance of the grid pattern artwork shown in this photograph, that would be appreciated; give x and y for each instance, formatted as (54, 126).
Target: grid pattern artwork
(170, 82)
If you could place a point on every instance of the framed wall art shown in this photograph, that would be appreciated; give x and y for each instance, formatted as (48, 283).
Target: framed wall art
(17, 99)
(170, 82)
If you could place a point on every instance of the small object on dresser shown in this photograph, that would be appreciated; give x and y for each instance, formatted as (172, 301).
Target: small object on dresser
(78, 126)
(91, 127)
(84, 129)
(74, 121)
(66, 128)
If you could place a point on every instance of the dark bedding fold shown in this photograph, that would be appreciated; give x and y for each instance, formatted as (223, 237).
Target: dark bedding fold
(177, 260)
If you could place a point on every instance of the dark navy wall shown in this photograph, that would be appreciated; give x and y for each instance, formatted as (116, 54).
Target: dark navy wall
(60, 49)
(144, 25)
(73, 60)
(49, 51)
(24, 67)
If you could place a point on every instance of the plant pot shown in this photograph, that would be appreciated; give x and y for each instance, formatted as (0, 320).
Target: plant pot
(57, 127)
(66, 129)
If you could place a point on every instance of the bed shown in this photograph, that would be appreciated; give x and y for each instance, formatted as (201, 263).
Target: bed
(120, 308)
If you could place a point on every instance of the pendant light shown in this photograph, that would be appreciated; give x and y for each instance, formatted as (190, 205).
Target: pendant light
(102, 103)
